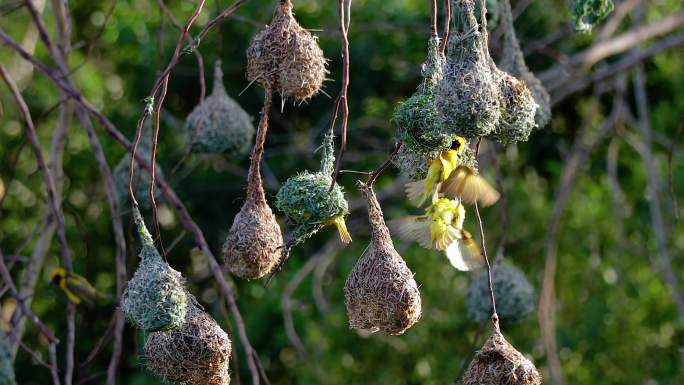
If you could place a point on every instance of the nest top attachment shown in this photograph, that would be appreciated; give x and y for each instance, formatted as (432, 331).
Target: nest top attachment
(286, 58)
(218, 124)
(155, 298)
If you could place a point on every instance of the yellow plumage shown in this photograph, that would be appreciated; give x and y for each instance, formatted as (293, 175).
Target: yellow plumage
(464, 184)
(439, 170)
(341, 228)
(76, 287)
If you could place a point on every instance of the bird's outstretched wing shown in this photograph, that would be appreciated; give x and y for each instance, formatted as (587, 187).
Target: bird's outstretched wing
(466, 185)
(464, 253)
(415, 228)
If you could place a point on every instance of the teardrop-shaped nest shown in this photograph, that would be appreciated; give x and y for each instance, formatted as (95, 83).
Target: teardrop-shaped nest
(7, 376)
(141, 177)
(286, 57)
(518, 110)
(155, 298)
(499, 363)
(252, 247)
(218, 124)
(380, 292)
(198, 353)
(467, 98)
(515, 298)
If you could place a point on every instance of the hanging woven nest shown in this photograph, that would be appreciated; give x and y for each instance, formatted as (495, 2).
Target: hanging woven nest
(7, 376)
(513, 62)
(197, 354)
(467, 98)
(419, 126)
(515, 298)
(219, 125)
(286, 58)
(141, 176)
(499, 363)
(155, 298)
(252, 247)
(380, 292)
(309, 204)
(517, 112)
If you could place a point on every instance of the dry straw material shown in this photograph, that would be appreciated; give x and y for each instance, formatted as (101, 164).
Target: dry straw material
(515, 297)
(155, 298)
(468, 98)
(141, 177)
(218, 124)
(252, 247)
(381, 293)
(6, 366)
(197, 354)
(513, 62)
(286, 58)
(499, 363)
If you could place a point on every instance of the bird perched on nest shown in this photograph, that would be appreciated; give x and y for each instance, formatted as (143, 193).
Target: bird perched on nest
(76, 287)
(441, 228)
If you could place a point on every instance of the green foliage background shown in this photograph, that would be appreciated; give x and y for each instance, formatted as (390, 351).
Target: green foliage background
(616, 320)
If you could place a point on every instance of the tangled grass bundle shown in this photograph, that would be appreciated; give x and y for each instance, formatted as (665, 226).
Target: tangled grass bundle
(252, 247)
(513, 62)
(7, 376)
(419, 126)
(517, 112)
(218, 124)
(309, 204)
(141, 177)
(514, 294)
(499, 363)
(155, 299)
(198, 353)
(380, 292)
(587, 13)
(467, 97)
(286, 58)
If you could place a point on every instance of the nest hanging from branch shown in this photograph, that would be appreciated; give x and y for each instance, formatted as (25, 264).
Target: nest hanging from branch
(252, 247)
(218, 124)
(197, 354)
(155, 298)
(286, 58)
(517, 112)
(419, 126)
(499, 363)
(7, 376)
(467, 97)
(380, 292)
(513, 62)
(141, 176)
(515, 297)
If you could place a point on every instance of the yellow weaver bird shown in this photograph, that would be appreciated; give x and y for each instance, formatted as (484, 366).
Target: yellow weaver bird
(338, 221)
(76, 288)
(441, 228)
(467, 186)
(439, 170)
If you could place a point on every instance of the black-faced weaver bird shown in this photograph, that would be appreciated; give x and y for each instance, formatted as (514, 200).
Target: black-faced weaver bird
(76, 287)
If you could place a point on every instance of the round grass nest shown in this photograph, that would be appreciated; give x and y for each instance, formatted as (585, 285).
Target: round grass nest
(141, 177)
(218, 124)
(515, 297)
(380, 292)
(499, 363)
(286, 58)
(198, 353)
(467, 98)
(155, 298)
(517, 112)
(419, 126)
(7, 376)
(513, 62)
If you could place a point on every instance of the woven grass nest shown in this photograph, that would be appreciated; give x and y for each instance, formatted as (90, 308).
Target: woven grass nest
(218, 124)
(7, 376)
(499, 363)
(155, 298)
(286, 58)
(419, 126)
(252, 246)
(468, 98)
(141, 177)
(380, 292)
(309, 204)
(587, 13)
(517, 112)
(197, 354)
(513, 62)
(515, 298)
